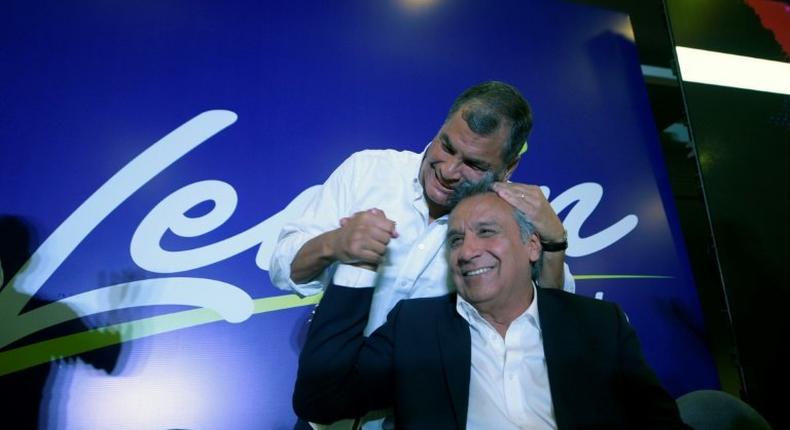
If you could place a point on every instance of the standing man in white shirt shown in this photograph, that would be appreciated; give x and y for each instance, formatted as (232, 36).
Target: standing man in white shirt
(388, 209)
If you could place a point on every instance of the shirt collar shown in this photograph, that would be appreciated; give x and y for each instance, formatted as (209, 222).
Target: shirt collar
(416, 173)
(473, 317)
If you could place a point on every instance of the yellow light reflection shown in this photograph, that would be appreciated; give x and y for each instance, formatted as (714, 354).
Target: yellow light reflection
(417, 5)
(624, 28)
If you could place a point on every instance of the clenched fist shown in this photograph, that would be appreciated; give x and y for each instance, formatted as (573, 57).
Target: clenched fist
(363, 237)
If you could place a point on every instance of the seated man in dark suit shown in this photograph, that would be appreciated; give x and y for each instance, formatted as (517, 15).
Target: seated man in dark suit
(499, 354)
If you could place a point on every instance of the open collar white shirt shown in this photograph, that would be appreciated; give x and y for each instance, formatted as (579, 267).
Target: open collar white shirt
(414, 265)
(509, 382)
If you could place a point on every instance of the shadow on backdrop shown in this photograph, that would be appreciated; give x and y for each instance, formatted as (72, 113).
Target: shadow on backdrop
(23, 390)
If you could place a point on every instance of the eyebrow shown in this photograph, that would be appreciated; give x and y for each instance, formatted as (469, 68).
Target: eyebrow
(479, 163)
(446, 140)
(456, 232)
(486, 224)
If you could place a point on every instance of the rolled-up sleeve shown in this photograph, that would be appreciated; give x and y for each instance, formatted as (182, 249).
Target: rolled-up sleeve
(289, 243)
(321, 215)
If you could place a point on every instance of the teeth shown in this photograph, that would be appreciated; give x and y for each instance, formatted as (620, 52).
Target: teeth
(477, 271)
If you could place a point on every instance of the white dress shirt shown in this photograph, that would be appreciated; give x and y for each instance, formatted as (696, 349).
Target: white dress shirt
(415, 263)
(509, 381)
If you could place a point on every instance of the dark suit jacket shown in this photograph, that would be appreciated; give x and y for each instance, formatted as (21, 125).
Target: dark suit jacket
(419, 363)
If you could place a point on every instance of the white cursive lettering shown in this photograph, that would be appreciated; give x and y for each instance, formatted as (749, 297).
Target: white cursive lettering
(229, 301)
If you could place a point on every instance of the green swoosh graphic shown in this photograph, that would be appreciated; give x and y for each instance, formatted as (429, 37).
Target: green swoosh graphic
(66, 346)
(31, 355)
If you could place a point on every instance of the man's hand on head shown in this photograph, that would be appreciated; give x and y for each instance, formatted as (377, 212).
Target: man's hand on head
(363, 237)
(530, 200)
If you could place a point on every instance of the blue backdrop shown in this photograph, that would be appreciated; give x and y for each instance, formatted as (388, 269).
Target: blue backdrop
(150, 151)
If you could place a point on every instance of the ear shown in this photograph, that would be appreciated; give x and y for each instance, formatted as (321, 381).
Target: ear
(510, 169)
(534, 248)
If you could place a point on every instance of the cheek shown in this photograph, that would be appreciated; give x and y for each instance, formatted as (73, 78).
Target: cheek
(437, 158)
(433, 151)
(455, 274)
(426, 171)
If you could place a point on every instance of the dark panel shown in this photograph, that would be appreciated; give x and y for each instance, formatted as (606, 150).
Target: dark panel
(742, 142)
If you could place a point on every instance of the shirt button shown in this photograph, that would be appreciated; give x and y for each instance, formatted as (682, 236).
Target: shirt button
(421, 246)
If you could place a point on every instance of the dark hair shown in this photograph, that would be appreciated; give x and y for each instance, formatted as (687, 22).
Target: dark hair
(467, 189)
(494, 104)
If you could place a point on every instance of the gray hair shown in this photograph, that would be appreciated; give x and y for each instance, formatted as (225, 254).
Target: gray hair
(467, 189)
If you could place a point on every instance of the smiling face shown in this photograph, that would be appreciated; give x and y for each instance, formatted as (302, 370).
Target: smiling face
(490, 264)
(457, 154)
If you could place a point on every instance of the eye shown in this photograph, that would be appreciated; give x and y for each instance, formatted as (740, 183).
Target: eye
(486, 232)
(476, 167)
(455, 241)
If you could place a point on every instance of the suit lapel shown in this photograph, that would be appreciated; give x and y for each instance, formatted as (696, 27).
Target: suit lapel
(456, 348)
(559, 349)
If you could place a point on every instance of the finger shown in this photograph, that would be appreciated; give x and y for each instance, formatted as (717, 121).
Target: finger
(517, 199)
(369, 257)
(392, 229)
(379, 235)
(380, 221)
(369, 251)
(504, 190)
(525, 202)
(364, 219)
(498, 186)
(519, 186)
(530, 193)
(377, 248)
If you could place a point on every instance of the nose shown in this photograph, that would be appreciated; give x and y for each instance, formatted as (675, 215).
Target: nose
(452, 170)
(468, 251)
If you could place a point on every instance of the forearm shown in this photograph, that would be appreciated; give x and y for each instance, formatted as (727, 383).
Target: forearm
(552, 274)
(313, 257)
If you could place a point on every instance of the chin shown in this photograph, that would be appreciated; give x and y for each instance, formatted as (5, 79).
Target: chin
(469, 293)
(441, 202)
(438, 198)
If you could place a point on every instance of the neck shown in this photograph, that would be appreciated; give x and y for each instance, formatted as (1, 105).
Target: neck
(435, 211)
(500, 326)
(500, 317)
